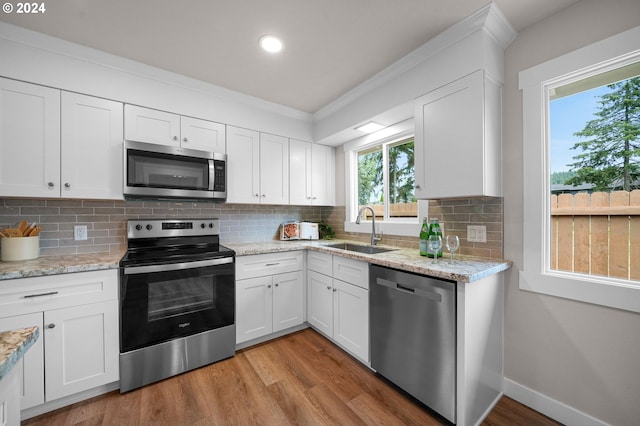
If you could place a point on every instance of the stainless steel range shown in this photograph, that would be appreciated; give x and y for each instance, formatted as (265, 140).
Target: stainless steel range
(177, 299)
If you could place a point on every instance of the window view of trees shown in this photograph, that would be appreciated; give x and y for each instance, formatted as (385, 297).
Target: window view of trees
(595, 176)
(609, 150)
(393, 163)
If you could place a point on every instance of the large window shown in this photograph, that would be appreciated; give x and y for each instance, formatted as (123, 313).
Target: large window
(594, 138)
(380, 173)
(386, 180)
(581, 131)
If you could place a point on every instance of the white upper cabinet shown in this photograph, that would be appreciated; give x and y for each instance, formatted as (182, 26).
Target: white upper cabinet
(91, 147)
(29, 140)
(312, 174)
(58, 144)
(458, 139)
(202, 134)
(243, 165)
(258, 167)
(164, 128)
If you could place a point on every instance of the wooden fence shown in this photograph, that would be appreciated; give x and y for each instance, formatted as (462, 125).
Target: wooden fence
(597, 234)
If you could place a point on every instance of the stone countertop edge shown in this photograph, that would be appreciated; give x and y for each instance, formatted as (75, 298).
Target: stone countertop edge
(13, 345)
(53, 265)
(465, 269)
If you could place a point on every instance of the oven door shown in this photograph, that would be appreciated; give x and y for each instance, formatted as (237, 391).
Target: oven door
(162, 302)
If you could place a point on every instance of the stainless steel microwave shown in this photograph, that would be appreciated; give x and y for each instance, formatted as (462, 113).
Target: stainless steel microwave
(168, 172)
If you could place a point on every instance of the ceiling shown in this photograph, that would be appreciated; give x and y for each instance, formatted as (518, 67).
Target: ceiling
(331, 46)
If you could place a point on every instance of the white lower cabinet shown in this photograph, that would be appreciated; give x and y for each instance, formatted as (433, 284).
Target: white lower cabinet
(269, 294)
(78, 345)
(339, 309)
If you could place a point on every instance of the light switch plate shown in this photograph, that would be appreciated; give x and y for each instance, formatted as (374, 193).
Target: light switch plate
(476, 233)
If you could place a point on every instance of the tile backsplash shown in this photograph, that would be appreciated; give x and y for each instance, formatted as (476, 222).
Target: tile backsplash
(106, 220)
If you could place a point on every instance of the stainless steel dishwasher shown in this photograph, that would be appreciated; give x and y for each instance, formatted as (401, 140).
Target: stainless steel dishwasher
(413, 335)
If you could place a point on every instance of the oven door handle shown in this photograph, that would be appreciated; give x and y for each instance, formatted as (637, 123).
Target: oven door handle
(130, 270)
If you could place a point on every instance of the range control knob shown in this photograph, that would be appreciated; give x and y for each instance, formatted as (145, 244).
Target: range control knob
(210, 225)
(202, 225)
(138, 227)
(149, 227)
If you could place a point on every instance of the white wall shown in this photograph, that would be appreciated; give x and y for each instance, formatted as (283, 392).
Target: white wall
(578, 354)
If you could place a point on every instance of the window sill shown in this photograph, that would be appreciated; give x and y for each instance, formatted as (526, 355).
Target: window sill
(619, 294)
(387, 228)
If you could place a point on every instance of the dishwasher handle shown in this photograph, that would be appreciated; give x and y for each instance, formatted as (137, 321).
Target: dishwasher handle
(409, 289)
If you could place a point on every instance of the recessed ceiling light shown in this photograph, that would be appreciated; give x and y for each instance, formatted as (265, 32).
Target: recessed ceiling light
(271, 44)
(370, 127)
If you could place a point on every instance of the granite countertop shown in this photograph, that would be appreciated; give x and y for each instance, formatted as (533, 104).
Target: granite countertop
(466, 269)
(52, 265)
(13, 345)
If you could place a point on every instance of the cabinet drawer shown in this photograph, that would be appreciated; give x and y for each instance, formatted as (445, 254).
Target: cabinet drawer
(268, 264)
(351, 271)
(320, 262)
(25, 295)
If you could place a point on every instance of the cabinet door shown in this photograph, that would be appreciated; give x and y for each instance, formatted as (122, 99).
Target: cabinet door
(320, 302)
(254, 308)
(31, 366)
(29, 140)
(323, 175)
(300, 172)
(450, 131)
(351, 318)
(288, 300)
(202, 134)
(82, 348)
(243, 165)
(92, 131)
(274, 169)
(151, 126)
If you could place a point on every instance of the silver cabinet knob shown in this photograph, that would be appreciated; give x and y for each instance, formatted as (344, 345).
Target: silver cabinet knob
(268, 285)
(52, 325)
(51, 184)
(335, 289)
(256, 195)
(175, 138)
(185, 139)
(277, 285)
(67, 185)
(328, 287)
(417, 186)
(263, 195)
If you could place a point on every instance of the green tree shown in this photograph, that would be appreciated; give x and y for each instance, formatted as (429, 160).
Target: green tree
(611, 154)
(369, 176)
(401, 173)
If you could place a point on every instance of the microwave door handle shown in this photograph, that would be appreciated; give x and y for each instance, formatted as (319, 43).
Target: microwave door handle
(212, 175)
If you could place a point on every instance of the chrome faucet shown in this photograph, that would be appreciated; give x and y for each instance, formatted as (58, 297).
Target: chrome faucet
(374, 238)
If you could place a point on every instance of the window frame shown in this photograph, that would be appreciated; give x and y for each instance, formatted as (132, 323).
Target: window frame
(388, 135)
(536, 274)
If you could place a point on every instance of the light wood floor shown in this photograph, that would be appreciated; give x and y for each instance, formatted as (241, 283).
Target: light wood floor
(298, 379)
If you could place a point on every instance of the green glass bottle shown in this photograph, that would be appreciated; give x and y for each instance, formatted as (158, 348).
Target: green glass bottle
(424, 236)
(434, 229)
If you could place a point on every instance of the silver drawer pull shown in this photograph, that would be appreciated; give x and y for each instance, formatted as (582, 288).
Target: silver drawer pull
(28, 296)
(272, 264)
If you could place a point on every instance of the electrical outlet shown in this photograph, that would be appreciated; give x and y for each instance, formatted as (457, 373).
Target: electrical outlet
(476, 233)
(80, 232)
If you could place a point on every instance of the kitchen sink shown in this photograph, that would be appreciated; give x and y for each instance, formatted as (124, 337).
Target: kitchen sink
(359, 248)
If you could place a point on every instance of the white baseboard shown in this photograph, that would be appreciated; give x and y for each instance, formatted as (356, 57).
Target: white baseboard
(548, 406)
